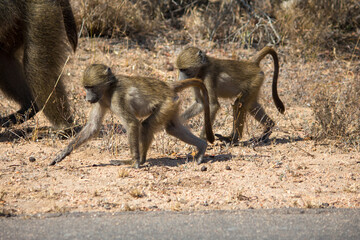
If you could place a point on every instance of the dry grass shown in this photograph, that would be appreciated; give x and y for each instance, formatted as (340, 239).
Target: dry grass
(337, 108)
(310, 26)
(315, 25)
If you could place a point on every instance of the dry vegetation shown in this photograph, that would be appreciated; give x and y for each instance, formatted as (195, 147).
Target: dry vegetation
(313, 158)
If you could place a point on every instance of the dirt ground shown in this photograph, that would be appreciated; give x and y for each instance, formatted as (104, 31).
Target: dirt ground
(290, 171)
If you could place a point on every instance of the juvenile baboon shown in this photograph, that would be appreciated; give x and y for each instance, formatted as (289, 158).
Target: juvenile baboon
(229, 79)
(145, 106)
(32, 54)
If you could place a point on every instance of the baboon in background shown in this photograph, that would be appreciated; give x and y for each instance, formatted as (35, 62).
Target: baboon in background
(229, 79)
(145, 106)
(32, 54)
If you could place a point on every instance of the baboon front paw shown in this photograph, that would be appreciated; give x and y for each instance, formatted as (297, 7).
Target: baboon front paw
(52, 163)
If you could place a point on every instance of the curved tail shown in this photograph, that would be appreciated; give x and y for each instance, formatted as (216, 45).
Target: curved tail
(69, 23)
(194, 82)
(257, 58)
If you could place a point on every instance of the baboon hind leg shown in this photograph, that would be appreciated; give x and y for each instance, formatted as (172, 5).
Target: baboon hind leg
(239, 118)
(153, 123)
(44, 57)
(258, 112)
(176, 129)
(133, 131)
(14, 85)
(146, 137)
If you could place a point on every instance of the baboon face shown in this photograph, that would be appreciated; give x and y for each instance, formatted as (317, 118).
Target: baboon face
(188, 73)
(96, 80)
(93, 94)
(190, 61)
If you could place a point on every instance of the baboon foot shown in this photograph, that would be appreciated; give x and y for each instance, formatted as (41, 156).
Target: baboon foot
(142, 161)
(136, 164)
(199, 159)
(227, 140)
(264, 138)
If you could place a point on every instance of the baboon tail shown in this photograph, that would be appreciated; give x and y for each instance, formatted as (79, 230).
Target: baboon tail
(257, 58)
(69, 23)
(194, 82)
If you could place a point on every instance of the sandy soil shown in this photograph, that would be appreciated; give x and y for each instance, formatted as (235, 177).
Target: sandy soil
(291, 171)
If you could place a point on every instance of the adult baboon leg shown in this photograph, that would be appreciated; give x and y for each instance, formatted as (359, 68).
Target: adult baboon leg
(14, 85)
(176, 129)
(44, 57)
(69, 23)
(258, 112)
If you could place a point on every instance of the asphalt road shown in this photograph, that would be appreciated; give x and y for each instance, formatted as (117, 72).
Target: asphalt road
(244, 224)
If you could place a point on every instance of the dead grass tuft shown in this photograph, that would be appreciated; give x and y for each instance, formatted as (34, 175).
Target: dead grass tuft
(306, 25)
(112, 18)
(337, 109)
(136, 193)
(319, 24)
(123, 173)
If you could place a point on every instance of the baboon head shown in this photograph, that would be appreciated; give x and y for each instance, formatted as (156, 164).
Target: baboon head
(190, 61)
(96, 80)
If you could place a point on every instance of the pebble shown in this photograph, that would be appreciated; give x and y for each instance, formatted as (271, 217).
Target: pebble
(32, 159)
(203, 168)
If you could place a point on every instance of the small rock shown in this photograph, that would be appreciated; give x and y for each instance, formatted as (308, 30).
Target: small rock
(169, 67)
(32, 159)
(324, 205)
(228, 168)
(203, 168)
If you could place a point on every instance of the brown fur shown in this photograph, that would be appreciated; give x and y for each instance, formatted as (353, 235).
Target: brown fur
(32, 43)
(145, 106)
(230, 79)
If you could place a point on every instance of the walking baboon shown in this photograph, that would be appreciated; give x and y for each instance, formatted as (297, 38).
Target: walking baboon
(145, 105)
(229, 79)
(32, 54)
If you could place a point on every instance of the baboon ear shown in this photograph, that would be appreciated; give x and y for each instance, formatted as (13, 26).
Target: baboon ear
(107, 71)
(202, 56)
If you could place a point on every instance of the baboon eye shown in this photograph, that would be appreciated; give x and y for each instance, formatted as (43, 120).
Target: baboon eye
(186, 71)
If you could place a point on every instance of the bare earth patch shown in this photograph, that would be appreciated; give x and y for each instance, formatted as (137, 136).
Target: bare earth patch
(291, 171)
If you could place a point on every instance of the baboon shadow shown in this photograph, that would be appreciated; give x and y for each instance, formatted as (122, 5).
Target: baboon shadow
(10, 134)
(175, 162)
(166, 162)
(271, 141)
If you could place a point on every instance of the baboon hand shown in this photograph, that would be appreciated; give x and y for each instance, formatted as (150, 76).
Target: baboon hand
(59, 158)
